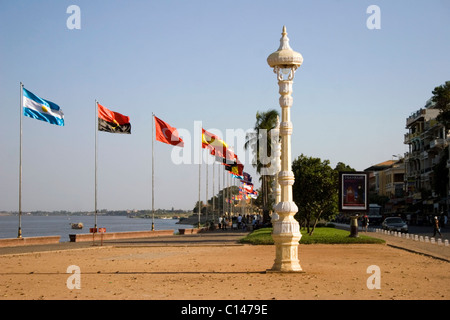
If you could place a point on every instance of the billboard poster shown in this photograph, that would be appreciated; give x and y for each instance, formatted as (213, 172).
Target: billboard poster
(353, 191)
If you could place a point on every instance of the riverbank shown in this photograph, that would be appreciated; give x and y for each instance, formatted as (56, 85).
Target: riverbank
(39, 226)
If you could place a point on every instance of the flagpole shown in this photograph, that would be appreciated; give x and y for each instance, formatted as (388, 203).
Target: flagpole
(206, 208)
(218, 192)
(153, 174)
(229, 194)
(96, 156)
(223, 193)
(213, 194)
(199, 184)
(19, 232)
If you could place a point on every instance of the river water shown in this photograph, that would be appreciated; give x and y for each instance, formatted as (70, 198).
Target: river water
(36, 226)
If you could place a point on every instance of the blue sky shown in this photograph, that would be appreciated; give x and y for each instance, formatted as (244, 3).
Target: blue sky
(190, 61)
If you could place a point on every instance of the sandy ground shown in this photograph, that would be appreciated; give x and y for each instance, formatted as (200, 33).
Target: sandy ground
(211, 271)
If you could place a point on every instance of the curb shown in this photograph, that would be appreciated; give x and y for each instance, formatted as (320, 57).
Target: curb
(418, 252)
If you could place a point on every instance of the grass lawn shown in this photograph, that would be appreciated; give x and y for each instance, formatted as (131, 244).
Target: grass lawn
(324, 235)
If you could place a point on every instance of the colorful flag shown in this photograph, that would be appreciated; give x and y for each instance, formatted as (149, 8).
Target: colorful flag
(41, 109)
(167, 134)
(223, 154)
(248, 187)
(247, 177)
(226, 161)
(216, 146)
(112, 122)
(236, 169)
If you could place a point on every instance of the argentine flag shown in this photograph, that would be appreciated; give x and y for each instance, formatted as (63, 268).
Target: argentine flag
(40, 109)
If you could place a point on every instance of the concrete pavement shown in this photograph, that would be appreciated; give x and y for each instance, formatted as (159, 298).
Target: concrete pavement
(216, 238)
(228, 238)
(434, 250)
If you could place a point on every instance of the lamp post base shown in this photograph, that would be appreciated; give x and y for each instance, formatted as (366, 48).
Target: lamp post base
(284, 271)
(286, 237)
(286, 259)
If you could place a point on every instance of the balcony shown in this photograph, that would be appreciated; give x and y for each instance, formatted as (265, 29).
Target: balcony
(430, 124)
(436, 143)
(415, 116)
(423, 115)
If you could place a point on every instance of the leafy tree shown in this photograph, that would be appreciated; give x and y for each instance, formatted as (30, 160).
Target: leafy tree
(195, 210)
(342, 167)
(378, 199)
(315, 190)
(440, 177)
(260, 142)
(441, 98)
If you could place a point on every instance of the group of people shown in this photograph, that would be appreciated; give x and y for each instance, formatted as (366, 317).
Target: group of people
(240, 222)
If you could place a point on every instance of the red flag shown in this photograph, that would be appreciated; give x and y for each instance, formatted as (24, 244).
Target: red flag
(167, 134)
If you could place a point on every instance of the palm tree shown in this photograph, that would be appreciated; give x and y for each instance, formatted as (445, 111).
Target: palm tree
(260, 142)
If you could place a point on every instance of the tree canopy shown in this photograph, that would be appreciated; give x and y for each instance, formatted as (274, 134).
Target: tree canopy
(315, 190)
(260, 142)
(441, 98)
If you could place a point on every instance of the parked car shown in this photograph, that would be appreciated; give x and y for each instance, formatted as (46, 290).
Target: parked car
(395, 224)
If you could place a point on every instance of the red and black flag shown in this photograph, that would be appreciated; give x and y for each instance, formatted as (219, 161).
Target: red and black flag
(236, 169)
(113, 122)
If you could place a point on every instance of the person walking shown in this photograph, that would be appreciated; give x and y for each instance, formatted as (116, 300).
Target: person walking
(365, 222)
(436, 227)
(239, 221)
(220, 222)
(224, 223)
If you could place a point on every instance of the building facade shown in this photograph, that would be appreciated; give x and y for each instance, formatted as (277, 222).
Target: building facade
(427, 140)
(387, 179)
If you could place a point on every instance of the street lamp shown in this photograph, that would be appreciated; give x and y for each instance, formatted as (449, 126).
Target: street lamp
(286, 231)
(276, 163)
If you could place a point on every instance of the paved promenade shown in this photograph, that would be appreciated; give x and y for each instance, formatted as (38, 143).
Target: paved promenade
(228, 237)
(214, 266)
(434, 250)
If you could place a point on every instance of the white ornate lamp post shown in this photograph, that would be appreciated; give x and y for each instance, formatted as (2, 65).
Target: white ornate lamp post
(286, 231)
(276, 164)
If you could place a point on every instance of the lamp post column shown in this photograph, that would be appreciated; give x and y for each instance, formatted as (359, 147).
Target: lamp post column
(286, 230)
(276, 164)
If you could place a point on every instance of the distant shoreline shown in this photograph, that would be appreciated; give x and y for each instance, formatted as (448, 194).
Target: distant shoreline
(125, 213)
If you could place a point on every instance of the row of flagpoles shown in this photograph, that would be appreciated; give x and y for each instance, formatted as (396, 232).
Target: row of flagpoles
(113, 122)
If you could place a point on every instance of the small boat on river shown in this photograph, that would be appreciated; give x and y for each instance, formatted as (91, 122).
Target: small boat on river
(78, 225)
